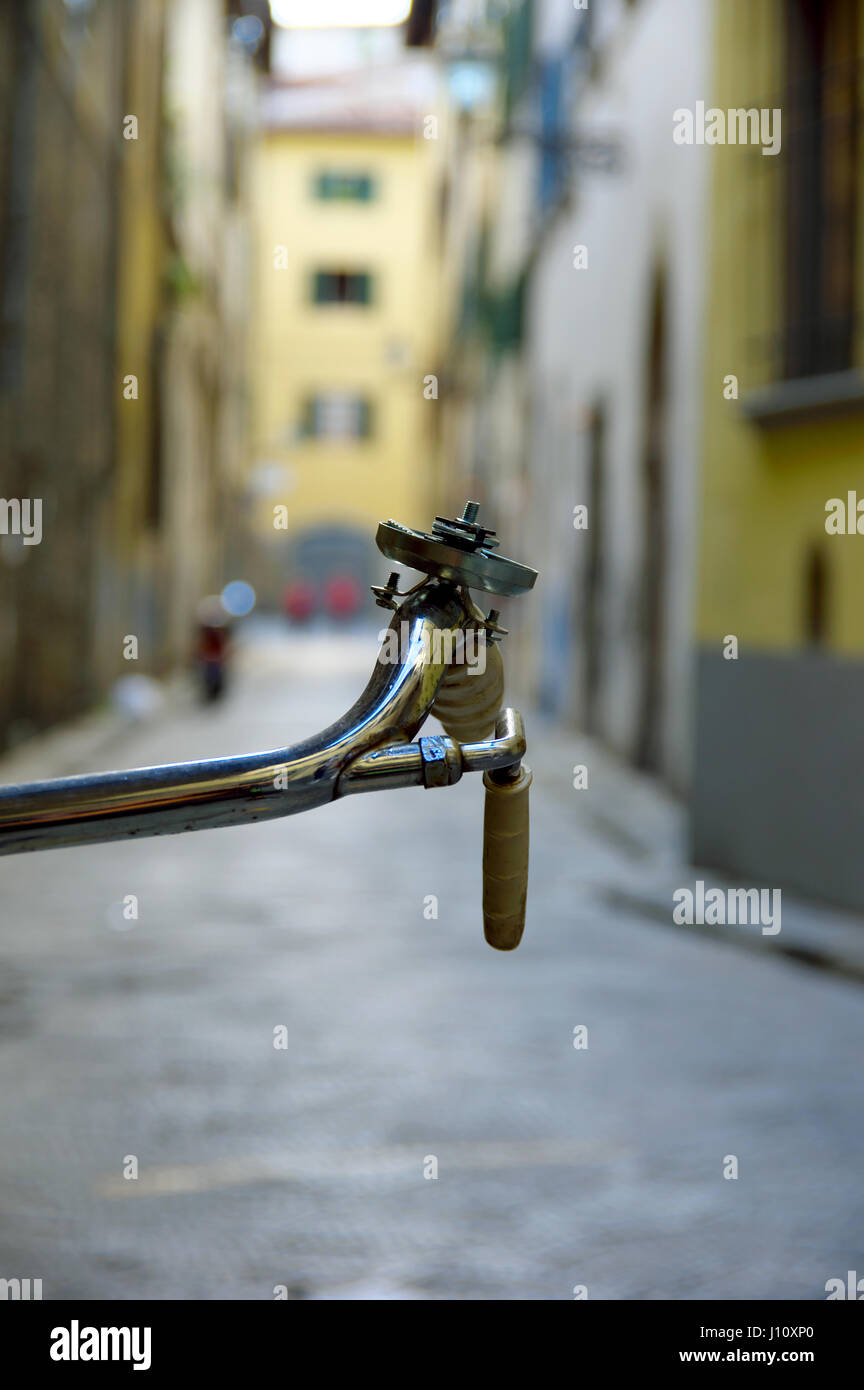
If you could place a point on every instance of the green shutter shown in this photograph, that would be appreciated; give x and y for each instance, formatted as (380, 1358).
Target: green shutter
(518, 52)
(331, 185)
(356, 287)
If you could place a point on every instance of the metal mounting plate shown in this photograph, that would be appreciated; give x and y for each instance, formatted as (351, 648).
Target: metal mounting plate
(477, 569)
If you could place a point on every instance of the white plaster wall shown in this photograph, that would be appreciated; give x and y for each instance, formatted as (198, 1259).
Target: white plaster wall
(588, 335)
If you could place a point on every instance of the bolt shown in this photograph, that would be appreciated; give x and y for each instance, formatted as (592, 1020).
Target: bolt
(386, 594)
(494, 630)
(469, 511)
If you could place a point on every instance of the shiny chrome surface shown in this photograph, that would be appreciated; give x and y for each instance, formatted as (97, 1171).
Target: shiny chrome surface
(506, 749)
(258, 786)
(476, 568)
(408, 764)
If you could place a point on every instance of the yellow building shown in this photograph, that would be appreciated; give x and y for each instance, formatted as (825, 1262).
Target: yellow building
(131, 552)
(779, 756)
(342, 372)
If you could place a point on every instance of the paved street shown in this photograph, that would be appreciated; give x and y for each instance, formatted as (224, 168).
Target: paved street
(407, 1039)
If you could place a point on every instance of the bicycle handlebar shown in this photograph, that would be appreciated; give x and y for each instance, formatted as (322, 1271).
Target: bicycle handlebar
(369, 749)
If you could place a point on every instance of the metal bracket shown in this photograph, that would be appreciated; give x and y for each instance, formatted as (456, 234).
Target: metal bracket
(435, 760)
(460, 550)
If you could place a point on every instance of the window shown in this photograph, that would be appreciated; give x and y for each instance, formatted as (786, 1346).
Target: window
(341, 287)
(338, 186)
(337, 415)
(821, 127)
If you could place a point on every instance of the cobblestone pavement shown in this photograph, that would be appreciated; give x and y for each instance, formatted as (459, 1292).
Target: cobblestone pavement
(407, 1040)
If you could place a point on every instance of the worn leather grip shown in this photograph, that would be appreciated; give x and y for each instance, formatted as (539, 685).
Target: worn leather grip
(505, 859)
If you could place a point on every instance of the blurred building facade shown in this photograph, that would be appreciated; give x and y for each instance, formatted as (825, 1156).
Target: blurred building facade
(667, 335)
(123, 128)
(61, 107)
(346, 266)
(779, 759)
(573, 360)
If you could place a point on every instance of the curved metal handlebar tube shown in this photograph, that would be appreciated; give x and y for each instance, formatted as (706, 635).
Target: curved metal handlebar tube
(415, 764)
(259, 786)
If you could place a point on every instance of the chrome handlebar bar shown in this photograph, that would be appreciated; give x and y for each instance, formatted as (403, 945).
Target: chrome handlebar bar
(369, 748)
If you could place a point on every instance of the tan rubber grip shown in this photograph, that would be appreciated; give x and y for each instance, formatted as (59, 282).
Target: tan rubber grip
(505, 860)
